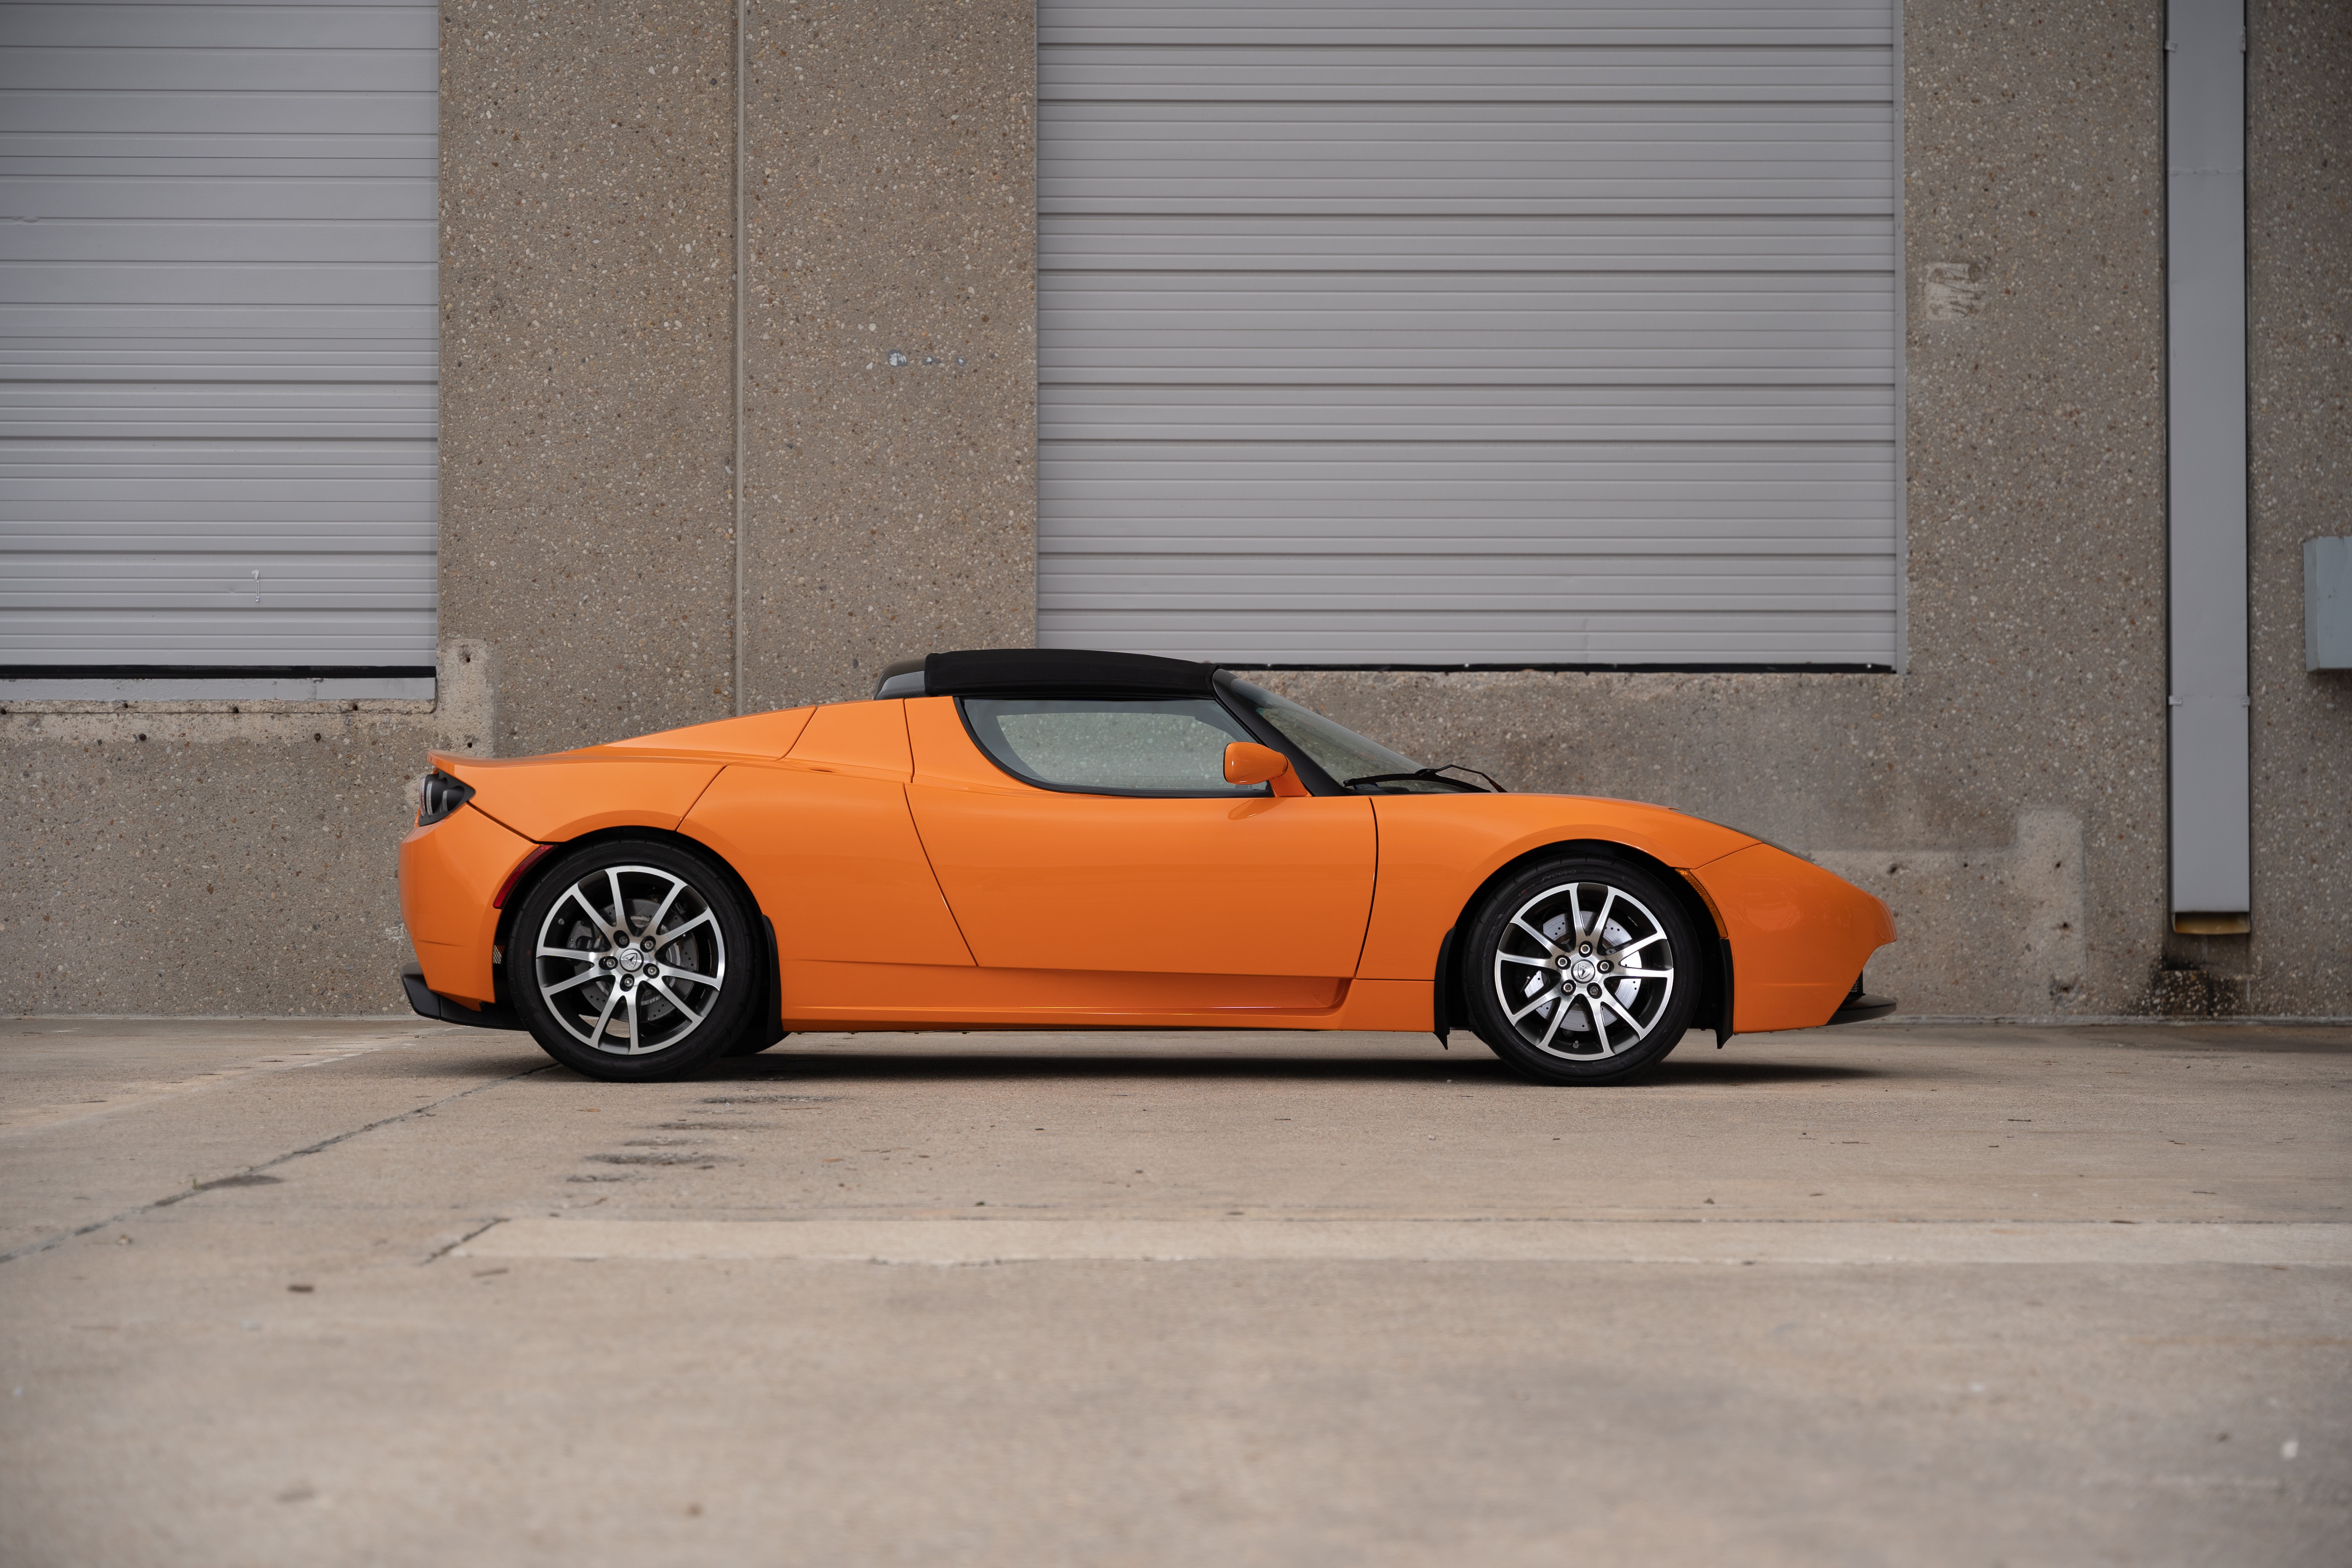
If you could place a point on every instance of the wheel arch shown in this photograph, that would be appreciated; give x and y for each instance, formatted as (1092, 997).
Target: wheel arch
(1714, 961)
(536, 872)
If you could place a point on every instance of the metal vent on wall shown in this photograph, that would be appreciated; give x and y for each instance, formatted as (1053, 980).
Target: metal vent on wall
(1413, 333)
(219, 344)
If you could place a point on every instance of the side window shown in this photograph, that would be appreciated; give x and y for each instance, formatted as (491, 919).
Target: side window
(1109, 745)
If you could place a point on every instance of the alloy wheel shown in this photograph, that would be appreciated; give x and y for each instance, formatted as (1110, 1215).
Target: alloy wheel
(630, 960)
(1585, 971)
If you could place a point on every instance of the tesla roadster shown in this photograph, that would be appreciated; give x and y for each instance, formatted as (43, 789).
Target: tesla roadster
(1055, 839)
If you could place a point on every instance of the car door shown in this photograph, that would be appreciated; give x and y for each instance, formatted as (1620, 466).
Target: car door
(1099, 836)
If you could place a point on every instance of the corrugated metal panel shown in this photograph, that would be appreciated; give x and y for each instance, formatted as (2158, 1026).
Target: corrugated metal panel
(218, 335)
(1410, 333)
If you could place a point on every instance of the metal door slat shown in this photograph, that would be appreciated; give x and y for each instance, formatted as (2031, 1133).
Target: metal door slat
(1379, 332)
(219, 336)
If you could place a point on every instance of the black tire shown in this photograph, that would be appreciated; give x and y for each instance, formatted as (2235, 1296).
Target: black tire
(641, 1014)
(1607, 968)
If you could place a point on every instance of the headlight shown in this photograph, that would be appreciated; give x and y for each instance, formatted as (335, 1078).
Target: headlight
(441, 795)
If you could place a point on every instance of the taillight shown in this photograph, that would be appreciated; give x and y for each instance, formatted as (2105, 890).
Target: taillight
(441, 795)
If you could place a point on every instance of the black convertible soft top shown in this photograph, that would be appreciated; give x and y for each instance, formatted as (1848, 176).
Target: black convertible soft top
(1042, 672)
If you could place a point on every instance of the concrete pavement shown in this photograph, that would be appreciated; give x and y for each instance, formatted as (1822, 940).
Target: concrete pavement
(392, 1292)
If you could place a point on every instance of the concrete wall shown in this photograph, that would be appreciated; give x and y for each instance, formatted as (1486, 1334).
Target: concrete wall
(890, 342)
(211, 858)
(2006, 794)
(2299, 281)
(587, 361)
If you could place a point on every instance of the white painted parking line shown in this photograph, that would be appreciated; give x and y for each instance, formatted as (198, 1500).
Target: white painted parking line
(962, 1241)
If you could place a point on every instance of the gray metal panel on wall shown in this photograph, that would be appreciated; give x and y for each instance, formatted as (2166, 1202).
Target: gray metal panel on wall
(1385, 331)
(2205, 228)
(218, 335)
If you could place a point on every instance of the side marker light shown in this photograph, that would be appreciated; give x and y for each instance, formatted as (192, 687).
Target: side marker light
(525, 864)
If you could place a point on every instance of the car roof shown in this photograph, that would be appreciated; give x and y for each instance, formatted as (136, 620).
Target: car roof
(1044, 672)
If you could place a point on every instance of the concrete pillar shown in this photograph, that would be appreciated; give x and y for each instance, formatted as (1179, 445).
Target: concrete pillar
(889, 342)
(587, 344)
(2299, 426)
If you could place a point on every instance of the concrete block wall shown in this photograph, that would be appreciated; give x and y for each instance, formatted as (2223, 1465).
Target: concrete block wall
(2005, 794)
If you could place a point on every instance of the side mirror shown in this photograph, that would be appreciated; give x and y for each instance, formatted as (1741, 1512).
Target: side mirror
(1247, 762)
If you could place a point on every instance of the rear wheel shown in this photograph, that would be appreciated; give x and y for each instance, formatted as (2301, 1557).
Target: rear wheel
(1582, 970)
(631, 960)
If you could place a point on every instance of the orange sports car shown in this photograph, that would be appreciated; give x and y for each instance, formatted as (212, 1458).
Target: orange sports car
(1055, 839)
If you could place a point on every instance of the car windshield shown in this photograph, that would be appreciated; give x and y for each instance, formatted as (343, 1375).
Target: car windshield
(1340, 751)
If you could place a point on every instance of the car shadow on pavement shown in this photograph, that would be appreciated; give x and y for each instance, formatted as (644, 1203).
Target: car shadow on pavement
(1677, 1072)
(834, 1065)
(842, 1066)
(476, 1065)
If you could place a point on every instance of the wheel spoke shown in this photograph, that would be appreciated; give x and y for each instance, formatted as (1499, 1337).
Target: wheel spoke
(1601, 1027)
(582, 978)
(620, 902)
(1645, 974)
(690, 977)
(577, 896)
(670, 936)
(1575, 916)
(1638, 946)
(597, 1034)
(1515, 958)
(676, 887)
(1558, 1017)
(692, 1017)
(637, 1032)
(1561, 997)
(571, 953)
(1539, 936)
(1600, 921)
(1641, 1030)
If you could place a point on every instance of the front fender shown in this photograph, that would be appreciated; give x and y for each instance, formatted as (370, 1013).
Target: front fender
(1800, 936)
(1437, 850)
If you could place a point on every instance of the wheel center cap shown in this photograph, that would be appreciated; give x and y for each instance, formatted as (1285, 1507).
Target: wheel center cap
(1581, 971)
(631, 960)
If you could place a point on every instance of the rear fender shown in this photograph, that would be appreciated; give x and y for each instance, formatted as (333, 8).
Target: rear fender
(571, 794)
(536, 872)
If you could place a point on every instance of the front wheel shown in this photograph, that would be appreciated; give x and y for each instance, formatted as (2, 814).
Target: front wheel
(1582, 970)
(631, 960)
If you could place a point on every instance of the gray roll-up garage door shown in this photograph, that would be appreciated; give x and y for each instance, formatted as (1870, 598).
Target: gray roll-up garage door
(219, 338)
(1416, 333)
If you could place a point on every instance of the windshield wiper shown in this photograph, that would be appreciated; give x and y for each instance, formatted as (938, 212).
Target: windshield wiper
(1436, 773)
